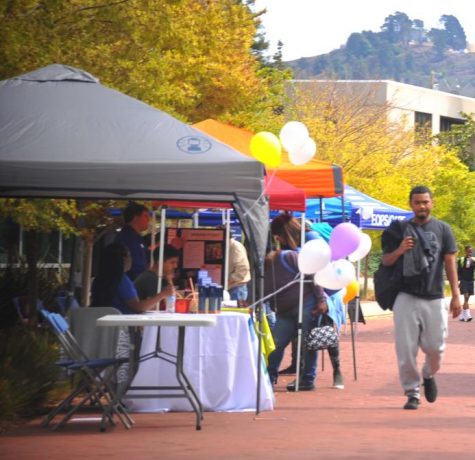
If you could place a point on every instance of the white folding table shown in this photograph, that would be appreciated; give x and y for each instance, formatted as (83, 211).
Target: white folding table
(181, 321)
(220, 362)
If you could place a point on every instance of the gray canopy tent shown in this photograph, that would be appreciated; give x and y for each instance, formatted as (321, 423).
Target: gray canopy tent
(64, 135)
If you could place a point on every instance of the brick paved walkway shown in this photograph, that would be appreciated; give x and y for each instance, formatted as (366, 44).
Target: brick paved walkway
(364, 421)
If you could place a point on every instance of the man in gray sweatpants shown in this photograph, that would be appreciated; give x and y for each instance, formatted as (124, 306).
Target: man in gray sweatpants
(420, 311)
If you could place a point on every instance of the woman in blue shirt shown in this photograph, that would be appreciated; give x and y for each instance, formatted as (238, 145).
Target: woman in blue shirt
(112, 287)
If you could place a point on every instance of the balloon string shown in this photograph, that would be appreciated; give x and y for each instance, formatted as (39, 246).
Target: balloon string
(264, 191)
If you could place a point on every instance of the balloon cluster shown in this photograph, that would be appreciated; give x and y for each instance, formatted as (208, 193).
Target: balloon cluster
(294, 138)
(328, 261)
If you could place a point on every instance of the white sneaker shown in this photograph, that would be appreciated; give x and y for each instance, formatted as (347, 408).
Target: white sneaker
(462, 316)
(468, 315)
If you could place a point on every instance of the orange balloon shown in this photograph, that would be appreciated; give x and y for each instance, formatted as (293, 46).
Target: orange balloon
(351, 291)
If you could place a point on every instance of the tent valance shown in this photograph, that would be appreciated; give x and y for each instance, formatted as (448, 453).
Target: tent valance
(363, 210)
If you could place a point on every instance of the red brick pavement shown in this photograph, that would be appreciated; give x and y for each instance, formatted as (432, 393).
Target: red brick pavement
(363, 421)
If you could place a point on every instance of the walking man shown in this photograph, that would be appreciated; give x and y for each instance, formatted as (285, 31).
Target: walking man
(420, 311)
(465, 269)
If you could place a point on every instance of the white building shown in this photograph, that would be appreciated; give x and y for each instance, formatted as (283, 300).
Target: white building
(419, 106)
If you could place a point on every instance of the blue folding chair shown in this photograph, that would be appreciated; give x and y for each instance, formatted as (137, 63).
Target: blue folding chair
(65, 302)
(95, 380)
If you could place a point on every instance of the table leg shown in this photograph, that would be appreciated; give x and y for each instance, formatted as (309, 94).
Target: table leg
(183, 379)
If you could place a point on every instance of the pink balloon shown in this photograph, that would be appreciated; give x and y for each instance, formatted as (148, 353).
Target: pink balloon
(344, 239)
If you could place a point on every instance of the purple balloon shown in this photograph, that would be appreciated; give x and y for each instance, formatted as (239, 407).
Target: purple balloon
(344, 239)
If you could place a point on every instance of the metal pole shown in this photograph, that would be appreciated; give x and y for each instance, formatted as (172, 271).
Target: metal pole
(299, 325)
(163, 220)
(227, 221)
(259, 314)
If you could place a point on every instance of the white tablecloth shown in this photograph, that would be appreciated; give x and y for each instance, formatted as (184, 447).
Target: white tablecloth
(220, 362)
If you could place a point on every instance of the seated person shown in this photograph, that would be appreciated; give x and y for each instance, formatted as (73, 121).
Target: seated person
(112, 287)
(146, 283)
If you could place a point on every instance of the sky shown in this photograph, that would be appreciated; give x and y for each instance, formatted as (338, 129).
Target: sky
(312, 27)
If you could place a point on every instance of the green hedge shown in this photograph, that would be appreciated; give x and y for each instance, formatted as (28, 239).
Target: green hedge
(27, 371)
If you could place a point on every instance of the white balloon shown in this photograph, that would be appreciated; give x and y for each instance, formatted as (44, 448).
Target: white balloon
(336, 275)
(315, 254)
(304, 153)
(292, 135)
(362, 249)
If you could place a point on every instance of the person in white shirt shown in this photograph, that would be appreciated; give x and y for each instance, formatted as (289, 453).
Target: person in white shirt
(239, 271)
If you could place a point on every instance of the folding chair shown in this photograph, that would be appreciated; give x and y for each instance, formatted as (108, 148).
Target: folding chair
(95, 379)
(65, 302)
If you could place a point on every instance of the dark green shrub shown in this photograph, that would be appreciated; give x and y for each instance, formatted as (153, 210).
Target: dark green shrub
(27, 371)
(13, 283)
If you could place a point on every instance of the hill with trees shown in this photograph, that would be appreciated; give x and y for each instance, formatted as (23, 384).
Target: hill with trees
(404, 51)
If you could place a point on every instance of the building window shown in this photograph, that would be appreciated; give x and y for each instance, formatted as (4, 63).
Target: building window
(446, 123)
(423, 126)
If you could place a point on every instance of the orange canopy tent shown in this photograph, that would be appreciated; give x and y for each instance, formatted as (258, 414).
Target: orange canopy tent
(282, 195)
(318, 179)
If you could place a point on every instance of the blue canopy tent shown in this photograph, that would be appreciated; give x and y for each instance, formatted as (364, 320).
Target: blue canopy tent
(364, 211)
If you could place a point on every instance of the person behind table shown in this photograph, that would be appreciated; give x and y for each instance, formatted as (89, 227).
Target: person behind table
(136, 219)
(147, 282)
(287, 230)
(239, 270)
(465, 270)
(113, 288)
(419, 311)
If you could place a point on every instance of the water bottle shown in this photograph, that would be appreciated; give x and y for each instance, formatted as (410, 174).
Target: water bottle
(213, 299)
(170, 303)
(202, 299)
(219, 290)
(202, 275)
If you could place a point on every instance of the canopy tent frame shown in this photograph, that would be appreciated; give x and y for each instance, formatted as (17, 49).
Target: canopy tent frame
(64, 135)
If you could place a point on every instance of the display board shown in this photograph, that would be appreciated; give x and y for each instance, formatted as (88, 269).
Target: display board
(201, 249)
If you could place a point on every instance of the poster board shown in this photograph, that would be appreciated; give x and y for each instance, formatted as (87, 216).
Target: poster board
(201, 249)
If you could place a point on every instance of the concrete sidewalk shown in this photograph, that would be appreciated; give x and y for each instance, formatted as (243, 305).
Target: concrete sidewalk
(363, 421)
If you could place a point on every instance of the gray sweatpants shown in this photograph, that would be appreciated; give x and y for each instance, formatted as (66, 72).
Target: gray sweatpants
(419, 323)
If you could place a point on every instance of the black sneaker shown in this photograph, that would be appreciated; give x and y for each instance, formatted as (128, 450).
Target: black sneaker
(303, 386)
(430, 389)
(412, 403)
(291, 370)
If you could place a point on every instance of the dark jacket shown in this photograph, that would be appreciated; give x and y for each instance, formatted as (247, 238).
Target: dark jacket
(277, 274)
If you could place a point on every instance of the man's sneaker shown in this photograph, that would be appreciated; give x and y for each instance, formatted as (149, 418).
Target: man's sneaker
(412, 403)
(288, 370)
(430, 389)
(467, 314)
(303, 386)
(338, 380)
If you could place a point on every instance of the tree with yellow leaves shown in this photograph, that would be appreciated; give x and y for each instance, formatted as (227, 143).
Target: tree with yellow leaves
(381, 156)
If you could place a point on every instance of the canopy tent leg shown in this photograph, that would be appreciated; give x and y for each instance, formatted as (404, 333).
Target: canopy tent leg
(300, 317)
